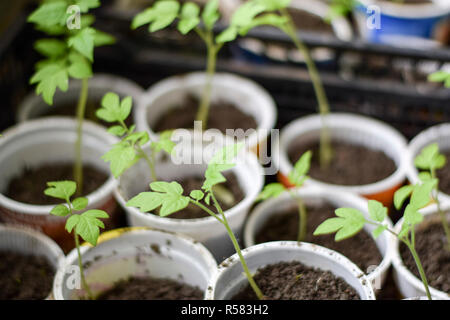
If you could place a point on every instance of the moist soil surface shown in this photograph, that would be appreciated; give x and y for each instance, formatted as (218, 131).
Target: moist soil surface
(308, 22)
(30, 185)
(24, 277)
(91, 109)
(351, 164)
(444, 175)
(151, 289)
(294, 281)
(195, 183)
(222, 116)
(361, 249)
(430, 246)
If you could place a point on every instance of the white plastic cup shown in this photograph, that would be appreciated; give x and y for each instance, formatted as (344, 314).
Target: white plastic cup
(230, 279)
(136, 252)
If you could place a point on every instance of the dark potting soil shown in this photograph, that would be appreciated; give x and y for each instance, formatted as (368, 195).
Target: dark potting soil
(195, 183)
(151, 289)
(24, 277)
(361, 249)
(308, 22)
(351, 164)
(30, 185)
(223, 115)
(444, 175)
(435, 258)
(295, 281)
(91, 109)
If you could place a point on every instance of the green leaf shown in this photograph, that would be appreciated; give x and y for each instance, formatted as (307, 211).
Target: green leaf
(210, 13)
(140, 138)
(50, 14)
(430, 158)
(80, 67)
(117, 131)
(164, 143)
(424, 176)
(83, 42)
(378, 231)
(60, 210)
(51, 48)
(267, 19)
(421, 195)
(167, 195)
(245, 14)
(85, 5)
(377, 211)
(162, 14)
(439, 76)
(197, 195)
(121, 157)
(113, 110)
(298, 175)
(48, 78)
(144, 17)
(348, 223)
(271, 5)
(61, 189)
(272, 190)
(227, 35)
(412, 216)
(401, 195)
(189, 17)
(72, 222)
(80, 203)
(103, 39)
(89, 224)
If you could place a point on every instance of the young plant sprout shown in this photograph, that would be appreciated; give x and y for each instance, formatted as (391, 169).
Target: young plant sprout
(168, 196)
(430, 160)
(274, 13)
(440, 76)
(69, 53)
(86, 225)
(129, 150)
(297, 176)
(350, 221)
(163, 13)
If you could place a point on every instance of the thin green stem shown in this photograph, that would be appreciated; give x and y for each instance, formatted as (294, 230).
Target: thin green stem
(206, 209)
(81, 109)
(80, 265)
(419, 267)
(326, 152)
(302, 217)
(205, 102)
(441, 212)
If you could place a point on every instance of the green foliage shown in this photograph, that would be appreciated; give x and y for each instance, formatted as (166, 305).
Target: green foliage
(87, 224)
(70, 54)
(340, 8)
(349, 222)
(124, 154)
(440, 76)
(299, 174)
(430, 158)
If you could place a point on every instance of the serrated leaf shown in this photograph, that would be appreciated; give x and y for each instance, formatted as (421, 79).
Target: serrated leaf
(117, 131)
(164, 143)
(298, 175)
(421, 195)
(354, 222)
(140, 138)
(121, 157)
(210, 13)
(272, 190)
(60, 210)
(125, 108)
(377, 211)
(85, 5)
(49, 77)
(61, 189)
(412, 216)
(165, 13)
(80, 67)
(51, 48)
(83, 42)
(189, 18)
(429, 158)
(88, 225)
(330, 225)
(72, 222)
(50, 14)
(80, 203)
(401, 195)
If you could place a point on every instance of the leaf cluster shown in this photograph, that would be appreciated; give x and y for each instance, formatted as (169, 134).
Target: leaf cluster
(67, 53)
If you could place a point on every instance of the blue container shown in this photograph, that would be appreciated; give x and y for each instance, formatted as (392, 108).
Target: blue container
(408, 25)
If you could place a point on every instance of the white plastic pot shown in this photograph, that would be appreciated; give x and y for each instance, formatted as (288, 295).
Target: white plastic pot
(29, 242)
(46, 141)
(34, 106)
(245, 94)
(230, 279)
(206, 230)
(439, 134)
(313, 195)
(407, 283)
(136, 252)
(349, 128)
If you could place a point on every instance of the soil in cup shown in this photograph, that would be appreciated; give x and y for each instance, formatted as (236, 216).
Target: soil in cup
(24, 277)
(295, 281)
(444, 175)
